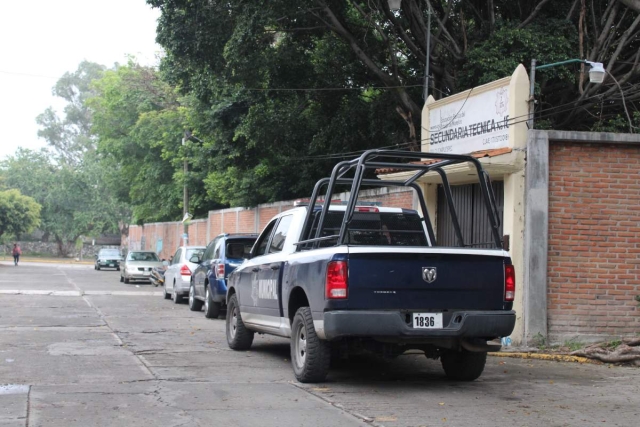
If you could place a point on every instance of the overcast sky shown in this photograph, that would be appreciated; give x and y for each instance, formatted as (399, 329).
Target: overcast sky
(40, 40)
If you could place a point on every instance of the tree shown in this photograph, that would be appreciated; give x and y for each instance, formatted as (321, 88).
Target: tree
(72, 197)
(18, 214)
(139, 123)
(71, 136)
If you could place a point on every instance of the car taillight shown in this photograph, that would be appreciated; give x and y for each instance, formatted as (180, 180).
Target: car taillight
(220, 271)
(184, 271)
(509, 283)
(337, 284)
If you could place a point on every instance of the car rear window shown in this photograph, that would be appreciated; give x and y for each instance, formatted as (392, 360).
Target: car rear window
(234, 245)
(143, 256)
(192, 252)
(110, 252)
(373, 228)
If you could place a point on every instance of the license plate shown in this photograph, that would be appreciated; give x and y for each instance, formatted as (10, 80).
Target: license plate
(111, 265)
(427, 320)
(146, 273)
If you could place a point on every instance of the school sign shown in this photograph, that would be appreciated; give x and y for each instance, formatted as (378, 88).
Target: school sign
(486, 117)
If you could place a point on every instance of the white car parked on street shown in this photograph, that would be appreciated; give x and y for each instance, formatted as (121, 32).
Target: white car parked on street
(177, 278)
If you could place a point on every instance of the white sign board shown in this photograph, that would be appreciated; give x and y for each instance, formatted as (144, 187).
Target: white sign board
(475, 123)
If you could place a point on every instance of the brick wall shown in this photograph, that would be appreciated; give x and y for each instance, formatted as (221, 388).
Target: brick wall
(237, 220)
(594, 240)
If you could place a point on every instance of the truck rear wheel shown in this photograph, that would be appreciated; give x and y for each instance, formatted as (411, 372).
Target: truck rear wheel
(463, 365)
(310, 356)
(238, 336)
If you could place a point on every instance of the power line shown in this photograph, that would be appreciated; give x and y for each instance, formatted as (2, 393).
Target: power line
(12, 73)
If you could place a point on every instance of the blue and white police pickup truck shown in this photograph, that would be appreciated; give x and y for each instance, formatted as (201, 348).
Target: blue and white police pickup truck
(342, 278)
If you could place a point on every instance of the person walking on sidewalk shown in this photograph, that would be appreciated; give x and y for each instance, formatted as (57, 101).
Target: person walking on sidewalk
(16, 253)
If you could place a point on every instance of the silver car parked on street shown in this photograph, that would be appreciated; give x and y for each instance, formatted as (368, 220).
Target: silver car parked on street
(177, 278)
(138, 266)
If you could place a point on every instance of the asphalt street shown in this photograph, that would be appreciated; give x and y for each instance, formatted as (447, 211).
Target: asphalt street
(79, 348)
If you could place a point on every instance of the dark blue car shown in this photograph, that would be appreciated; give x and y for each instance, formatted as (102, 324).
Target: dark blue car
(209, 280)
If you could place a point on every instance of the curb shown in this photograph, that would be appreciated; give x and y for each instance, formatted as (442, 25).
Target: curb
(548, 357)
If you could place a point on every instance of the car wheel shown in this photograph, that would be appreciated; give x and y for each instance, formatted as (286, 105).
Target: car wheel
(238, 336)
(167, 295)
(463, 365)
(194, 304)
(121, 279)
(117, 268)
(98, 267)
(310, 356)
(177, 299)
(211, 308)
(126, 280)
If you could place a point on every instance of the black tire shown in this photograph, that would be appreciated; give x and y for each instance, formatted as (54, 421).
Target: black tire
(310, 356)
(126, 280)
(177, 299)
(121, 279)
(167, 295)
(117, 268)
(194, 304)
(463, 365)
(238, 336)
(98, 267)
(211, 308)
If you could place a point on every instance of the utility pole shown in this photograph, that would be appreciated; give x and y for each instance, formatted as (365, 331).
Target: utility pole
(185, 193)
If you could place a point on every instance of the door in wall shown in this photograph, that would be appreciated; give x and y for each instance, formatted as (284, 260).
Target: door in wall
(472, 215)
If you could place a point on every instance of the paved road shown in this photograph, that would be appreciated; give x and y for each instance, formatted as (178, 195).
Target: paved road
(79, 348)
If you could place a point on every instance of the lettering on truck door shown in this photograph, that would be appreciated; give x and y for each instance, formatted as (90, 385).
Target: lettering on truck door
(269, 280)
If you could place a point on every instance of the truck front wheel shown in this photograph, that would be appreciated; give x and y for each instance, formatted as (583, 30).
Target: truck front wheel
(463, 365)
(238, 336)
(310, 356)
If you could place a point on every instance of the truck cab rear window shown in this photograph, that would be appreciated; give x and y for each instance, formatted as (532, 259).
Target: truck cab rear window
(372, 228)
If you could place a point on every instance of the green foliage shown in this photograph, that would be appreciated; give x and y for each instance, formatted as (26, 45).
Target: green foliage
(73, 198)
(18, 214)
(139, 123)
(70, 136)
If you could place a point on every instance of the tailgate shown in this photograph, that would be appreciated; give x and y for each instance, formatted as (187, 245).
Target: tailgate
(464, 279)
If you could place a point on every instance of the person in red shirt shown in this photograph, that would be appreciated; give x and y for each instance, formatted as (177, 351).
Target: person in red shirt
(16, 253)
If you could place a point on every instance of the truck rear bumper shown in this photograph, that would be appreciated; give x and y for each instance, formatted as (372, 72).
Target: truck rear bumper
(393, 326)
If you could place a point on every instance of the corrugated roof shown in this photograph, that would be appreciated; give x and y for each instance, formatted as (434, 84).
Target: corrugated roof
(476, 154)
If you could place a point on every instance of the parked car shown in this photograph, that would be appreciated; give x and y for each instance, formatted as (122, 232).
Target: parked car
(209, 281)
(339, 279)
(108, 258)
(177, 277)
(138, 266)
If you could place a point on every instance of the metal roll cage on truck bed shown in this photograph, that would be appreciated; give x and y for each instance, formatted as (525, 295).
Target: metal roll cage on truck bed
(343, 277)
(372, 160)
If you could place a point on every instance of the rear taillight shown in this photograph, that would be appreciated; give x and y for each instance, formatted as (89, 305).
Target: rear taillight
(366, 209)
(184, 271)
(337, 284)
(220, 271)
(509, 283)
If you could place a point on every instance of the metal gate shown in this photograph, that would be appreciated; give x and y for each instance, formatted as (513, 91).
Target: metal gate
(472, 215)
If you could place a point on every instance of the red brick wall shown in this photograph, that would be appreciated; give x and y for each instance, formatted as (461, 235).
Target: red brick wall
(235, 220)
(594, 240)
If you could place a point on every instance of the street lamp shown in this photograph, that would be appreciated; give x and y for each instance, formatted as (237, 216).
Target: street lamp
(185, 191)
(596, 76)
(394, 5)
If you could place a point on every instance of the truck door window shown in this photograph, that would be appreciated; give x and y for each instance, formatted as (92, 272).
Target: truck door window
(277, 243)
(263, 240)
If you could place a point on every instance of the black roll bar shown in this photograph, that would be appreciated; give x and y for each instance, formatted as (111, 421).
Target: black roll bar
(371, 160)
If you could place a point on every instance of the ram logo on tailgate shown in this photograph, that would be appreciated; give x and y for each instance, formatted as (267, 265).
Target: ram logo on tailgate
(429, 274)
